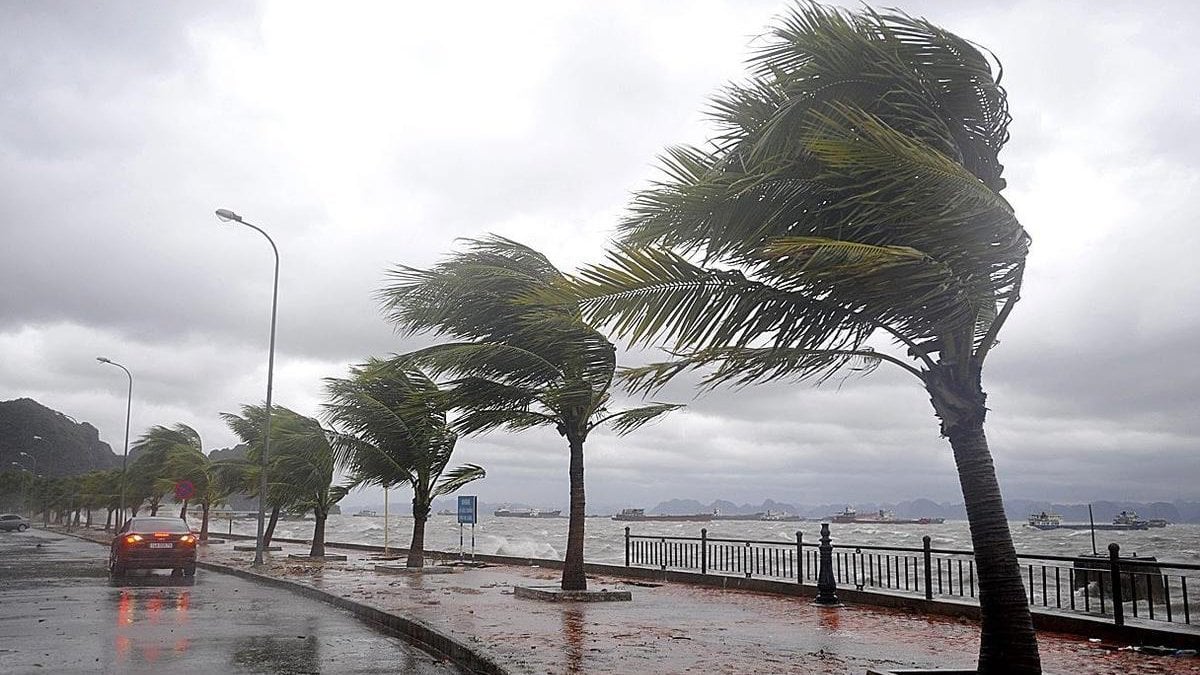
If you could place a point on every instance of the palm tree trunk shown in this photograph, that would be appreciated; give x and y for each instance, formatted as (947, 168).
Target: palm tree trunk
(270, 531)
(154, 503)
(416, 549)
(573, 578)
(318, 542)
(1007, 642)
(204, 506)
(108, 521)
(183, 511)
(88, 524)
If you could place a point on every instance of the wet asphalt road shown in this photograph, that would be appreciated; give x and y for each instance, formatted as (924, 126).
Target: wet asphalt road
(60, 613)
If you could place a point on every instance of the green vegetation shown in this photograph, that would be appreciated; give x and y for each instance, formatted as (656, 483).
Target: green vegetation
(300, 467)
(396, 433)
(518, 363)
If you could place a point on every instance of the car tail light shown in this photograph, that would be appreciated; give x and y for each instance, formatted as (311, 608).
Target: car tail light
(187, 539)
(161, 535)
(132, 539)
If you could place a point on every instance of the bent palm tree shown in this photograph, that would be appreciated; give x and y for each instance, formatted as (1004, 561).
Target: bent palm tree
(302, 465)
(853, 192)
(521, 363)
(397, 434)
(248, 427)
(153, 478)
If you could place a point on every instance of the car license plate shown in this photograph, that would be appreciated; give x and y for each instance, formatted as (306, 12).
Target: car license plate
(165, 544)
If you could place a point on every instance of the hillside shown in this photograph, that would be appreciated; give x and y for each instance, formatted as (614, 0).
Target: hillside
(58, 444)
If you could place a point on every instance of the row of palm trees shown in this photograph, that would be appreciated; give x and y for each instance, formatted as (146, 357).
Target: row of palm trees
(387, 427)
(846, 216)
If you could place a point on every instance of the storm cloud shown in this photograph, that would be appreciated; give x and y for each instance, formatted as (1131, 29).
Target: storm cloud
(365, 136)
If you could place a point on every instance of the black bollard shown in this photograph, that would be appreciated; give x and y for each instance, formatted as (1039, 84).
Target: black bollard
(826, 586)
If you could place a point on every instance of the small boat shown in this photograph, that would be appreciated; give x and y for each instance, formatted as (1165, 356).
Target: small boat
(505, 512)
(368, 513)
(1157, 522)
(640, 515)
(447, 512)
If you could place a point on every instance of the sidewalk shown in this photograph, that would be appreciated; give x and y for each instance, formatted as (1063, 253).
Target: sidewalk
(670, 628)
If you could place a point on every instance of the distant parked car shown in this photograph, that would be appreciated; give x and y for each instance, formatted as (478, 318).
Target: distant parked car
(11, 521)
(153, 543)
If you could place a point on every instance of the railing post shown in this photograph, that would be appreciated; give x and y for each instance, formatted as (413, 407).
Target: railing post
(925, 541)
(1114, 568)
(799, 557)
(627, 546)
(704, 550)
(826, 586)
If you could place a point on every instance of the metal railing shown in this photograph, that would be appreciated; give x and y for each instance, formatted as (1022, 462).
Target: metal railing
(1108, 586)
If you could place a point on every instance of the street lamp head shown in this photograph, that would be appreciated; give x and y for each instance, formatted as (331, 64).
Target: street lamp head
(102, 359)
(227, 215)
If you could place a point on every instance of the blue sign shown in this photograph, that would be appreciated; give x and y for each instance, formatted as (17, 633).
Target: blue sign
(467, 511)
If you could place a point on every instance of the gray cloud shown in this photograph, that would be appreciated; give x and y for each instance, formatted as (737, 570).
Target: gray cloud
(124, 126)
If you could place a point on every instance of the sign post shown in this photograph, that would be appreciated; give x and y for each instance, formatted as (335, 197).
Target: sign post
(468, 512)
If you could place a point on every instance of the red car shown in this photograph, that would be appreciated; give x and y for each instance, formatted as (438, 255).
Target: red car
(153, 543)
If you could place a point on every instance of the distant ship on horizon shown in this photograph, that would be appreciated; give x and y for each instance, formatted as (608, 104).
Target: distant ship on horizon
(881, 517)
(505, 512)
(641, 515)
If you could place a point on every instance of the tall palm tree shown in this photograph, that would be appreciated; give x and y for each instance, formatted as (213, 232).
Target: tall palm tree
(395, 432)
(852, 193)
(519, 363)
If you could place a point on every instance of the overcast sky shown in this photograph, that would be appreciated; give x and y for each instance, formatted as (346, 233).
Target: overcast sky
(364, 135)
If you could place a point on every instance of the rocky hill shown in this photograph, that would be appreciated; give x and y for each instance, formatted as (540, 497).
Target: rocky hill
(53, 444)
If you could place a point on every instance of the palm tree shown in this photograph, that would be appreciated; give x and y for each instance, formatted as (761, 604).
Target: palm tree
(149, 479)
(191, 465)
(852, 193)
(519, 363)
(249, 428)
(396, 433)
(302, 465)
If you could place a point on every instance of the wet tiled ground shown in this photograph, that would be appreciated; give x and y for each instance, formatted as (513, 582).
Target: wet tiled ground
(676, 628)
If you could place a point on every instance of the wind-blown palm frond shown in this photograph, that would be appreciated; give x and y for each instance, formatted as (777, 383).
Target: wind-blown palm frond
(457, 477)
(627, 421)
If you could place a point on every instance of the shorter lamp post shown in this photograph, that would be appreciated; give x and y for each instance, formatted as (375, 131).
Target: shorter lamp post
(124, 457)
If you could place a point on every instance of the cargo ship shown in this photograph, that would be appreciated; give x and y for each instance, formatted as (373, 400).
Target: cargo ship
(526, 513)
(1123, 521)
(640, 515)
(881, 517)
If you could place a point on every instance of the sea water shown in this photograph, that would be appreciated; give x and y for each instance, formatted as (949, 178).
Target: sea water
(604, 540)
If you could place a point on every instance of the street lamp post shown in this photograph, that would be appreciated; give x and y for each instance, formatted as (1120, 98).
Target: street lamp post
(32, 476)
(227, 216)
(125, 456)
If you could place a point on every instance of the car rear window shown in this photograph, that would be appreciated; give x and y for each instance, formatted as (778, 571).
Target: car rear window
(158, 525)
